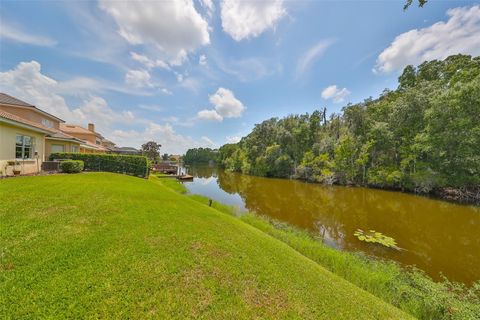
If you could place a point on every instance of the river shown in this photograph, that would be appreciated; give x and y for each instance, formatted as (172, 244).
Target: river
(436, 236)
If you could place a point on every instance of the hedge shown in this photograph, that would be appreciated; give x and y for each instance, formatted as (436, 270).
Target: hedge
(131, 165)
(71, 166)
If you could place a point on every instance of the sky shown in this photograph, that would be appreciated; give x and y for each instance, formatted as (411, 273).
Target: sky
(202, 73)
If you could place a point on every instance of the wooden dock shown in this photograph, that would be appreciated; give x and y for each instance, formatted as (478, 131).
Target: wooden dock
(167, 168)
(185, 177)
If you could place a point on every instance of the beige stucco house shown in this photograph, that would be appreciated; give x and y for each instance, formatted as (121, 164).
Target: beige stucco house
(22, 145)
(93, 142)
(28, 135)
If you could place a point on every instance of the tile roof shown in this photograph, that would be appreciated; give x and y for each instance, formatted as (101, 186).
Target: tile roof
(9, 100)
(61, 135)
(90, 145)
(12, 117)
(72, 128)
(6, 99)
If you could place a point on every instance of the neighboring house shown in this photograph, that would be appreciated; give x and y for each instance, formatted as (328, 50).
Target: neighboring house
(127, 151)
(108, 144)
(28, 135)
(93, 142)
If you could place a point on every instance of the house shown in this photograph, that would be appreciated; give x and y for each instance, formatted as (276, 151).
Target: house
(93, 142)
(28, 135)
(126, 151)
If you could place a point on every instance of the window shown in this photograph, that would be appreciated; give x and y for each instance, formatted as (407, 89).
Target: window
(58, 148)
(97, 141)
(47, 123)
(74, 148)
(24, 147)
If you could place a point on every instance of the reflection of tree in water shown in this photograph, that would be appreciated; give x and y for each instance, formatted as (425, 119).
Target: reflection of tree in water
(438, 236)
(203, 171)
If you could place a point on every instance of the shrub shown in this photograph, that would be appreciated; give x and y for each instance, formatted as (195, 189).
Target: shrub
(71, 166)
(131, 165)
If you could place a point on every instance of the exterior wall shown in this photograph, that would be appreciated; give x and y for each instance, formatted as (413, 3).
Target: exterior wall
(67, 146)
(83, 136)
(7, 150)
(29, 114)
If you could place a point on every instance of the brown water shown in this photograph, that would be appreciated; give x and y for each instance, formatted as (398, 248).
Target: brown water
(438, 236)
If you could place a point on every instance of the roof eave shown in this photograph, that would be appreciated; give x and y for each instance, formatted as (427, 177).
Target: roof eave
(25, 126)
(64, 139)
(32, 107)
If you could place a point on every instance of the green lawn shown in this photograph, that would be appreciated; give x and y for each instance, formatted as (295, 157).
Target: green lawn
(102, 245)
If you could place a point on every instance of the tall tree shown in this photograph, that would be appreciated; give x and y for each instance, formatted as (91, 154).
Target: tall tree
(151, 150)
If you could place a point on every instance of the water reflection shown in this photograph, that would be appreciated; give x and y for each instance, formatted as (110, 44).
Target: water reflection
(437, 236)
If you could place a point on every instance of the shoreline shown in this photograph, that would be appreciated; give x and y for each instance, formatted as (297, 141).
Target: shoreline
(462, 196)
(405, 287)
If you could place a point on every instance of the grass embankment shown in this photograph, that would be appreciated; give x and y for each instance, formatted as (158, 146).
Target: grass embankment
(408, 289)
(103, 245)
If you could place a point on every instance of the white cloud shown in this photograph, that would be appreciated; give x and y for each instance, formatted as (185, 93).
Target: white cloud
(138, 78)
(149, 63)
(334, 93)
(166, 91)
(248, 19)
(27, 82)
(232, 139)
(208, 142)
(174, 28)
(171, 141)
(460, 34)
(148, 107)
(96, 109)
(226, 104)
(209, 115)
(208, 6)
(202, 60)
(312, 54)
(14, 34)
(246, 69)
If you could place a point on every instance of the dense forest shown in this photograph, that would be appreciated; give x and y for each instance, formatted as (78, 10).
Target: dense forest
(422, 137)
(200, 156)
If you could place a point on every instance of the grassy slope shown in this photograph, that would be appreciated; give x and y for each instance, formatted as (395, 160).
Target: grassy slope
(106, 245)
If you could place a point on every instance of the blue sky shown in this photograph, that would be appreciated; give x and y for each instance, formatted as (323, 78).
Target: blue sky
(202, 73)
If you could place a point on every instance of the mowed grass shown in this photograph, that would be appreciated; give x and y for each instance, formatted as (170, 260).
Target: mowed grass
(102, 245)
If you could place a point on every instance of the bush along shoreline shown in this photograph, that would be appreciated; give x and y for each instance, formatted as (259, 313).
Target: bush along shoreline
(407, 288)
(423, 137)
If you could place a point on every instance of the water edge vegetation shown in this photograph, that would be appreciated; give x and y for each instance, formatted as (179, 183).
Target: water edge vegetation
(407, 288)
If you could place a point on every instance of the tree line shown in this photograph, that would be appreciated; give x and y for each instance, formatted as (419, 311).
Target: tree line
(200, 156)
(423, 136)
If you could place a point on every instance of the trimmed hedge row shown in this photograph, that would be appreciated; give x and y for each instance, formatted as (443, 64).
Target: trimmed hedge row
(131, 165)
(71, 166)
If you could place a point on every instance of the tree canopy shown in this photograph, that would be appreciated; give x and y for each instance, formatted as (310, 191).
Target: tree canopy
(421, 136)
(200, 156)
(151, 150)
